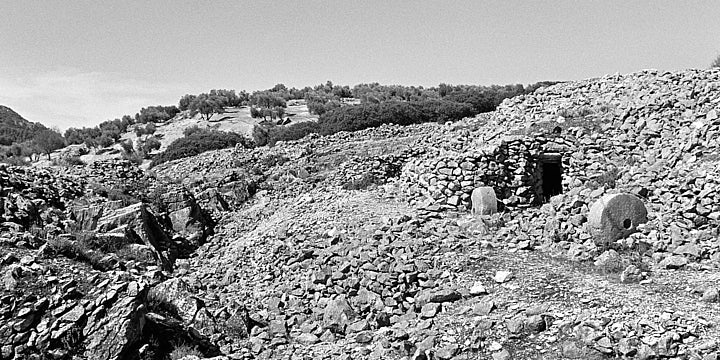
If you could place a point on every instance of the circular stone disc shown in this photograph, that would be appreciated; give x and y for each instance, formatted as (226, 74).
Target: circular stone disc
(616, 216)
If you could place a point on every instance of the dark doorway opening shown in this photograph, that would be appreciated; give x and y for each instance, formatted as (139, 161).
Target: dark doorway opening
(551, 170)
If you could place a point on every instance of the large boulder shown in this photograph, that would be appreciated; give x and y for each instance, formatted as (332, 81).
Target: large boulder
(116, 335)
(86, 215)
(190, 308)
(186, 217)
(138, 223)
(615, 216)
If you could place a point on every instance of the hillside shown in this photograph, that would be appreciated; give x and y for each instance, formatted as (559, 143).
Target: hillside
(234, 119)
(14, 128)
(362, 245)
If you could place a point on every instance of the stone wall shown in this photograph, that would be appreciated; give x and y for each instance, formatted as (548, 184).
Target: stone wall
(512, 166)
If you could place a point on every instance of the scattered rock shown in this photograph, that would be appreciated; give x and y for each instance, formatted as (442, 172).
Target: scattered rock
(502, 276)
(478, 289)
(673, 262)
(711, 295)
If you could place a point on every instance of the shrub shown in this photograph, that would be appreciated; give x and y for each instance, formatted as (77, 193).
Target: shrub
(255, 112)
(182, 350)
(104, 141)
(261, 134)
(716, 62)
(159, 303)
(443, 111)
(359, 117)
(200, 142)
(127, 146)
(191, 130)
(78, 250)
(290, 132)
(151, 144)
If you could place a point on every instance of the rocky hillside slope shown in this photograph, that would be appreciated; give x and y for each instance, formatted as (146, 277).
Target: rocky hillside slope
(324, 248)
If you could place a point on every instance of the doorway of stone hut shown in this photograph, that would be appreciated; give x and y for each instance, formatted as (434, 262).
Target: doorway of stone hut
(551, 175)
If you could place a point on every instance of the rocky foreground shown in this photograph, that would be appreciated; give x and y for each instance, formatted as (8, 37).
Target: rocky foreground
(329, 247)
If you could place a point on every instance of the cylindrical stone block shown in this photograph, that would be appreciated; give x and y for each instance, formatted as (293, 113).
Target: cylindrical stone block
(615, 216)
(484, 201)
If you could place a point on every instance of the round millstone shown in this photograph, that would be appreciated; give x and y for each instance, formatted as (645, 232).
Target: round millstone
(484, 201)
(616, 216)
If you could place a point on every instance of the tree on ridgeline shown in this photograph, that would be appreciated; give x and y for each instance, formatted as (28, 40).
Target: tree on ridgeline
(207, 105)
(156, 114)
(268, 103)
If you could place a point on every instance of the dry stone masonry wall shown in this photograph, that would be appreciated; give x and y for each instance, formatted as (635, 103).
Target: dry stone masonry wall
(512, 166)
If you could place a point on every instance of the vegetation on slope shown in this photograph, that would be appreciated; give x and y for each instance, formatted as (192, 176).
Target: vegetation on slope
(199, 141)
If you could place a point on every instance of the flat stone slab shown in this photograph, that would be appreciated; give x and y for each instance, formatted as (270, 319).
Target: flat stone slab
(484, 201)
(616, 216)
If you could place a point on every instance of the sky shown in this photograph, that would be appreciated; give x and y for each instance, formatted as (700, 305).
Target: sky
(77, 63)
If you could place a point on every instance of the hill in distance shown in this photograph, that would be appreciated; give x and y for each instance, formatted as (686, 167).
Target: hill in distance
(16, 129)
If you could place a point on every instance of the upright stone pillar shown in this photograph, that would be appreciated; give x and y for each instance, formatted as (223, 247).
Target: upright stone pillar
(484, 201)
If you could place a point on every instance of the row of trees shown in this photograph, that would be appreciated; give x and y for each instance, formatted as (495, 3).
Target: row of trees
(213, 102)
(44, 142)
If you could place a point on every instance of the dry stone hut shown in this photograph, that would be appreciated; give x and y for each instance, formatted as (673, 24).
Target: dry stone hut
(523, 170)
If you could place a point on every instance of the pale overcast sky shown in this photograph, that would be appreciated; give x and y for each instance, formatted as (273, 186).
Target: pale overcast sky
(77, 63)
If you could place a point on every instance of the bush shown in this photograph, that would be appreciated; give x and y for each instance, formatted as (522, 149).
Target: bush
(200, 142)
(79, 250)
(716, 62)
(443, 111)
(151, 144)
(127, 146)
(269, 135)
(190, 130)
(359, 117)
(159, 303)
(182, 350)
(255, 112)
